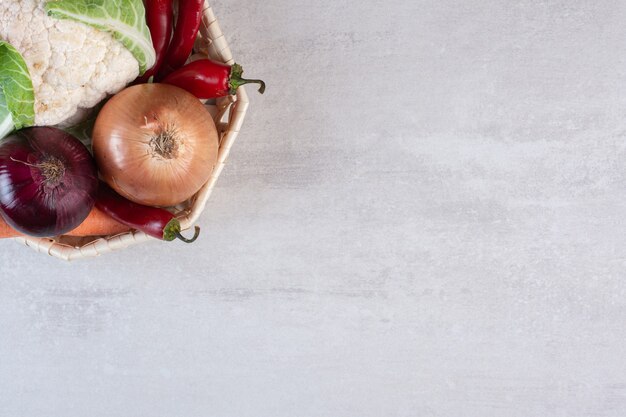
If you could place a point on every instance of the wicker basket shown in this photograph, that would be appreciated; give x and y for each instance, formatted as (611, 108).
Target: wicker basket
(229, 115)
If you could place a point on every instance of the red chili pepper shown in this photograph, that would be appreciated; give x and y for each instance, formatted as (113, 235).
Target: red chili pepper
(159, 17)
(153, 221)
(206, 79)
(187, 25)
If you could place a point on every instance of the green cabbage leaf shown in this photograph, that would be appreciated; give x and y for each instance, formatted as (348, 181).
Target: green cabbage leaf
(17, 97)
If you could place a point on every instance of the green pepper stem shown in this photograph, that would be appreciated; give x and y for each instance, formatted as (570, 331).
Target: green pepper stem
(184, 239)
(236, 80)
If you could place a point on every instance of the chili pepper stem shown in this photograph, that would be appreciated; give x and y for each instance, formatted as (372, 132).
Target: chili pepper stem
(172, 231)
(236, 80)
(193, 239)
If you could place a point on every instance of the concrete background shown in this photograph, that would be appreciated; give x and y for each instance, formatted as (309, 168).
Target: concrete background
(424, 216)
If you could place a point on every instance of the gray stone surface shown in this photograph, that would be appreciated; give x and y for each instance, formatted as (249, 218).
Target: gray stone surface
(424, 216)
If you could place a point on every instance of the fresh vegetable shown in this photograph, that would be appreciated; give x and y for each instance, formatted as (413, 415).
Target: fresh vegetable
(124, 19)
(17, 98)
(97, 223)
(49, 181)
(84, 129)
(159, 18)
(206, 79)
(73, 66)
(7, 231)
(153, 221)
(155, 144)
(185, 32)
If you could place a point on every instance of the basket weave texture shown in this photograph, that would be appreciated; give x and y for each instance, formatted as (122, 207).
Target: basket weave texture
(229, 116)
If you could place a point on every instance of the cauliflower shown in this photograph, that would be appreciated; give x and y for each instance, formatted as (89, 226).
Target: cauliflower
(72, 66)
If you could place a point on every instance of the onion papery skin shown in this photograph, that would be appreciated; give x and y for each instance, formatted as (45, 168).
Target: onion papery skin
(130, 157)
(33, 201)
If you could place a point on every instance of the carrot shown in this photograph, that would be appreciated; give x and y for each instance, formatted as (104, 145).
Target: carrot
(99, 223)
(7, 231)
(96, 224)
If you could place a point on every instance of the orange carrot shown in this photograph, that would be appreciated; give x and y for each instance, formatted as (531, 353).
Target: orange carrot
(96, 224)
(7, 231)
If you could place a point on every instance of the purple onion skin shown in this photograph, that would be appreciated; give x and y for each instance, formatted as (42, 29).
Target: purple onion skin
(48, 181)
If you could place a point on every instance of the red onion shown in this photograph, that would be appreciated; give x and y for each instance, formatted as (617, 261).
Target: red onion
(48, 181)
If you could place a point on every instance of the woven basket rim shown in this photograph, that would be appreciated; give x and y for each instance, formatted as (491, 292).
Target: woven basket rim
(233, 107)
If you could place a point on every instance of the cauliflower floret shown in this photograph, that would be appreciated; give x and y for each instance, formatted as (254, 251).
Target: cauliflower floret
(72, 66)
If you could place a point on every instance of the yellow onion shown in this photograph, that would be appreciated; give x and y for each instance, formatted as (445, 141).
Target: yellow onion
(155, 144)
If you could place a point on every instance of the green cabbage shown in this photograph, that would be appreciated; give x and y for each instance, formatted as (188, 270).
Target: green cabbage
(124, 19)
(17, 98)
